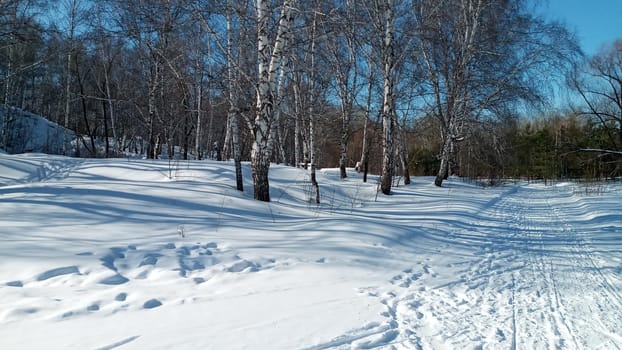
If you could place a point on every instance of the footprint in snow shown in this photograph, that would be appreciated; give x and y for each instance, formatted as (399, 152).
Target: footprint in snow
(428, 271)
(121, 297)
(199, 249)
(114, 280)
(396, 279)
(370, 291)
(416, 276)
(196, 257)
(114, 253)
(143, 275)
(152, 304)
(15, 284)
(150, 259)
(405, 284)
(244, 265)
(21, 312)
(199, 280)
(406, 281)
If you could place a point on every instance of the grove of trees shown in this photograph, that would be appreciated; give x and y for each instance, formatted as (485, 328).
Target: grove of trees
(397, 87)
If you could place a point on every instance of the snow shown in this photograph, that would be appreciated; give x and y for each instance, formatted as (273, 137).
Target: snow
(29, 132)
(142, 254)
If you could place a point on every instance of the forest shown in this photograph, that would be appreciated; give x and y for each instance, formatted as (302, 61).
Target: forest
(484, 89)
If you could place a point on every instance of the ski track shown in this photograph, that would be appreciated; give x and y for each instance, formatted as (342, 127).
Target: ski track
(533, 272)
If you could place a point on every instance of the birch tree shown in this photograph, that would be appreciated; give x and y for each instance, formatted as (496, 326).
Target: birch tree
(199, 78)
(234, 111)
(311, 147)
(482, 57)
(270, 56)
(599, 83)
(365, 149)
(108, 50)
(448, 30)
(344, 59)
(382, 14)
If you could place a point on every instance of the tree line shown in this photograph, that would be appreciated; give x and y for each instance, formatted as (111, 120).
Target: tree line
(435, 87)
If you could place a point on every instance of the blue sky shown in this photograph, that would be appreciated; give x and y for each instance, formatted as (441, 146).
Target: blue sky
(596, 22)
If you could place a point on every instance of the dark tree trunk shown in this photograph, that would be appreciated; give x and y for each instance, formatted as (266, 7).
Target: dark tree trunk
(388, 108)
(239, 180)
(314, 184)
(406, 176)
(444, 167)
(93, 150)
(344, 145)
(260, 166)
(105, 110)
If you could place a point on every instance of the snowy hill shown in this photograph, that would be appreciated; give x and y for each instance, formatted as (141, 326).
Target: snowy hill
(32, 133)
(106, 254)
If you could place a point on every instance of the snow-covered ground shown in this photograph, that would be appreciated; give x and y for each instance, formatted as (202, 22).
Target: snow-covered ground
(107, 254)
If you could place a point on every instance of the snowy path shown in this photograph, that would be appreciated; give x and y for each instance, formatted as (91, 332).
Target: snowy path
(537, 284)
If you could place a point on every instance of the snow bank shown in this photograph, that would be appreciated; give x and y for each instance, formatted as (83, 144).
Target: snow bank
(28, 132)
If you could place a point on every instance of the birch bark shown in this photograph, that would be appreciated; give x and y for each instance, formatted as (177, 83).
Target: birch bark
(269, 60)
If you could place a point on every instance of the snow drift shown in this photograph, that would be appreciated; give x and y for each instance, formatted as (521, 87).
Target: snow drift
(27, 132)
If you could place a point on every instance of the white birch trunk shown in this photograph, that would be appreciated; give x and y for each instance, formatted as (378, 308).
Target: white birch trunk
(297, 127)
(312, 159)
(268, 65)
